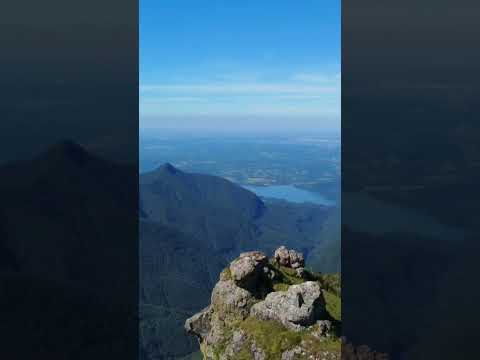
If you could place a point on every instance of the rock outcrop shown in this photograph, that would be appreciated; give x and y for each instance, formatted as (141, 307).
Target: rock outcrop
(199, 324)
(258, 308)
(297, 308)
(230, 300)
(248, 269)
(289, 258)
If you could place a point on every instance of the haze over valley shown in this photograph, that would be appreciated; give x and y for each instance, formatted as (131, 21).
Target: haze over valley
(198, 212)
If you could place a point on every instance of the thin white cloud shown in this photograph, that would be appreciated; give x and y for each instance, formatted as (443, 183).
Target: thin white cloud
(172, 99)
(240, 88)
(298, 94)
(316, 78)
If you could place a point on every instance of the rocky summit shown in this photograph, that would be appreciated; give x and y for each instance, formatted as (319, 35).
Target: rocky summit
(266, 309)
(290, 258)
(297, 308)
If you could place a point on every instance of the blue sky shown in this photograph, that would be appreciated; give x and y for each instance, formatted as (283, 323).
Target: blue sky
(248, 63)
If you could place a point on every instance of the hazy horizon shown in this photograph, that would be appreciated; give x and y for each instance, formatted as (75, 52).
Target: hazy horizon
(221, 67)
(231, 124)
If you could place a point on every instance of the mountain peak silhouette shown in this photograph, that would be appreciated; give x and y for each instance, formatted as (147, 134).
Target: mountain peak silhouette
(68, 151)
(169, 168)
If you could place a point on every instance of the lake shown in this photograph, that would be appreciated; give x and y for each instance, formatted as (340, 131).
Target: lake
(289, 193)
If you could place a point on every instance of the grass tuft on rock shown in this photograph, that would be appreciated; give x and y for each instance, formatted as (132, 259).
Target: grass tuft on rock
(272, 337)
(319, 347)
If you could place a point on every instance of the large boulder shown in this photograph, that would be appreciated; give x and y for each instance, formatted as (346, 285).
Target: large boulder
(248, 269)
(289, 258)
(229, 304)
(230, 301)
(297, 308)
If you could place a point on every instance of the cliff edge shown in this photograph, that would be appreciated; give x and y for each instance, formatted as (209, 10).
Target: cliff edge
(270, 308)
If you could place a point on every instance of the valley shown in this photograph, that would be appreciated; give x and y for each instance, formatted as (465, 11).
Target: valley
(205, 199)
(307, 162)
(191, 226)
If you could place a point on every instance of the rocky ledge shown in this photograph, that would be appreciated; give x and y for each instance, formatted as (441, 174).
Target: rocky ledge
(265, 309)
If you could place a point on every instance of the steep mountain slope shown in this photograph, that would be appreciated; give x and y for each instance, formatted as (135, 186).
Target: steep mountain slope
(67, 225)
(192, 225)
(327, 255)
(211, 209)
(176, 275)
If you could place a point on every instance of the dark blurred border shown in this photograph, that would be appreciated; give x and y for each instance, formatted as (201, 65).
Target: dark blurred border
(410, 158)
(69, 179)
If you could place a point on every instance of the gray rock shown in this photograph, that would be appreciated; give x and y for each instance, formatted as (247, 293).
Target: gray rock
(296, 259)
(200, 323)
(230, 301)
(282, 256)
(292, 354)
(235, 345)
(300, 272)
(324, 328)
(247, 269)
(289, 258)
(298, 307)
(257, 352)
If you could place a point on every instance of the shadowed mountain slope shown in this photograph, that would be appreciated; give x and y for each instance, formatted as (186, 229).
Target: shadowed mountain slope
(68, 228)
(192, 225)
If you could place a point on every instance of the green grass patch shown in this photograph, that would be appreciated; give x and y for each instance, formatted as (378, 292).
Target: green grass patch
(274, 339)
(334, 305)
(284, 277)
(330, 282)
(244, 354)
(270, 336)
(280, 287)
(316, 347)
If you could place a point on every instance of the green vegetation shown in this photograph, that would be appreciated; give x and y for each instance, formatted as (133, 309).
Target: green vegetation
(284, 277)
(326, 256)
(219, 349)
(330, 282)
(271, 336)
(334, 305)
(191, 226)
(315, 346)
(280, 287)
(287, 276)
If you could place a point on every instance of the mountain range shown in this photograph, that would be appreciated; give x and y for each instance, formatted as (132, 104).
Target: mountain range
(191, 226)
(70, 278)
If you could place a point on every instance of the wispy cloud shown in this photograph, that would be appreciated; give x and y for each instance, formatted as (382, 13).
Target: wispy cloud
(240, 88)
(318, 78)
(172, 99)
(301, 93)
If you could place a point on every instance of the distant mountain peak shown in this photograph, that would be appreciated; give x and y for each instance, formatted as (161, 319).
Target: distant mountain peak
(68, 150)
(67, 145)
(169, 168)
